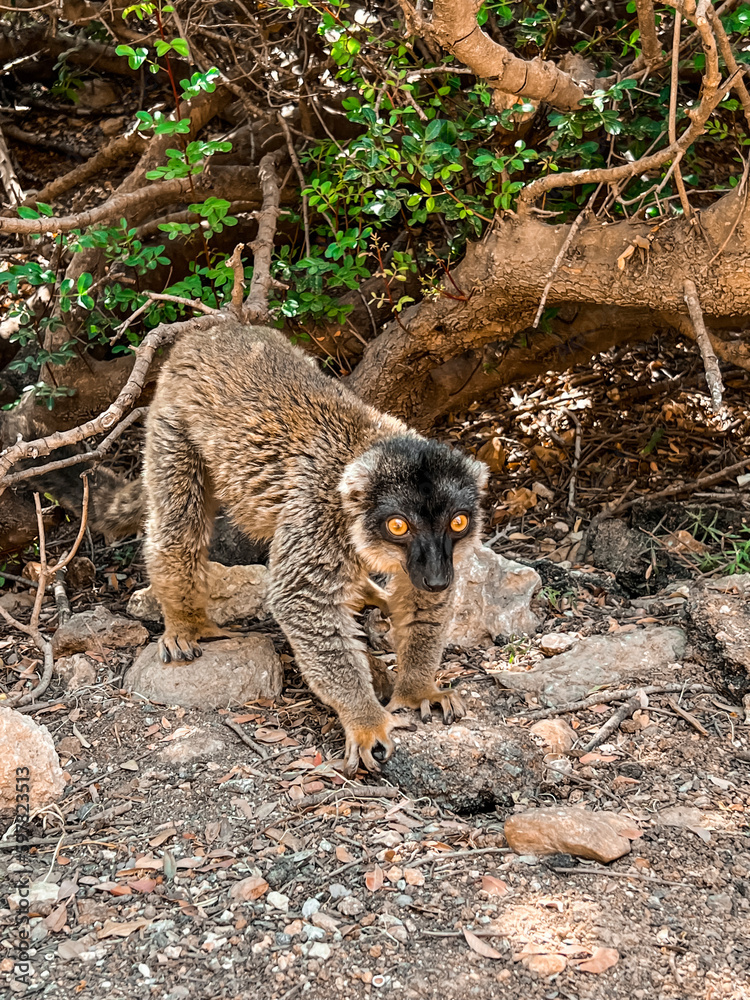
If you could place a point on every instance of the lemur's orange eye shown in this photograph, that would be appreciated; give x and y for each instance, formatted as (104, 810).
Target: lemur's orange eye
(459, 523)
(397, 526)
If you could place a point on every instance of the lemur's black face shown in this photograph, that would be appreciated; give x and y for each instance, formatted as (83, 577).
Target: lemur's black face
(419, 500)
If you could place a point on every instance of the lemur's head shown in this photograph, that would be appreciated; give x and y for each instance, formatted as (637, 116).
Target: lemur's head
(412, 501)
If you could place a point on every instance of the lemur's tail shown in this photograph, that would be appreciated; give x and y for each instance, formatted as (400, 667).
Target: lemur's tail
(117, 508)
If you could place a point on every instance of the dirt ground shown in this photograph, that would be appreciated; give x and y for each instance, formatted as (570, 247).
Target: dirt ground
(188, 863)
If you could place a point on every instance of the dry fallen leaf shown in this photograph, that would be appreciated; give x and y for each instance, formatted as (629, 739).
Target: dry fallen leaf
(266, 735)
(413, 876)
(343, 855)
(479, 946)
(600, 961)
(374, 879)
(57, 919)
(249, 888)
(394, 873)
(112, 929)
(494, 886)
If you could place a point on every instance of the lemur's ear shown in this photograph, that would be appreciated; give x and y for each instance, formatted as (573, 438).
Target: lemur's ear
(357, 477)
(481, 471)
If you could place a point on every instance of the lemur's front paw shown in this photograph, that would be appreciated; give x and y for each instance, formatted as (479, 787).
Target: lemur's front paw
(423, 698)
(180, 642)
(362, 738)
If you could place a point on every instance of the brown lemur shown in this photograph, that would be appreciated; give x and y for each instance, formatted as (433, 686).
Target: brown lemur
(242, 419)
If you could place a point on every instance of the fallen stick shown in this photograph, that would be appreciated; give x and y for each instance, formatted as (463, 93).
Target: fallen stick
(639, 700)
(246, 739)
(691, 719)
(605, 697)
(351, 792)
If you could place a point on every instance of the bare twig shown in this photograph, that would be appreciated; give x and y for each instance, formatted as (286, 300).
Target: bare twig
(238, 287)
(300, 177)
(85, 456)
(687, 716)
(584, 213)
(576, 458)
(349, 792)
(672, 127)
(698, 484)
(256, 306)
(8, 174)
(710, 362)
(238, 731)
(605, 697)
(144, 355)
(61, 598)
(639, 700)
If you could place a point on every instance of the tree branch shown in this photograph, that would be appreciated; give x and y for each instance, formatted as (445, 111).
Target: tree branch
(647, 28)
(144, 355)
(454, 26)
(256, 305)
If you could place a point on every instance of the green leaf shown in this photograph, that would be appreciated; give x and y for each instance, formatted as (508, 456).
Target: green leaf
(181, 47)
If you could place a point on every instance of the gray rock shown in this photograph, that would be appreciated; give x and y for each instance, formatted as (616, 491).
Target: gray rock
(29, 756)
(234, 592)
(718, 625)
(94, 629)
(76, 671)
(469, 767)
(230, 672)
(598, 661)
(337, 891)
(195, 746)
(493, 598)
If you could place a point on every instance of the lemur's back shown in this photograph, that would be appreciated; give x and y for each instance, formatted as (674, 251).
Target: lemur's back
(261, 415)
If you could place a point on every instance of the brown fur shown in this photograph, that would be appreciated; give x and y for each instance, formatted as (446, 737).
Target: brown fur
(244, 420)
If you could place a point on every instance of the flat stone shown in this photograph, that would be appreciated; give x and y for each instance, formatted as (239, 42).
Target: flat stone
(469, 767)
(28, 757)
(599, 661)
(320, 950)
(201, 745)
(492, 598)
(230, 672)
(234, 592)
(565, 830)
(96, 628)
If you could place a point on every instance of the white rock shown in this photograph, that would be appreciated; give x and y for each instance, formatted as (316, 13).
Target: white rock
(309, 907)
(493, 598)
(555, 642)
(28, 757)
(230, 672)
(278, 901)
(320, 950)
(234, 592)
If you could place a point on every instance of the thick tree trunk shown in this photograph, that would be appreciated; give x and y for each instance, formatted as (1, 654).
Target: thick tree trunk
(635, 267)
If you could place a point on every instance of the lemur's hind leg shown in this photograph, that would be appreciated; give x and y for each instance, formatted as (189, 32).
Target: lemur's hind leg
(181, 509)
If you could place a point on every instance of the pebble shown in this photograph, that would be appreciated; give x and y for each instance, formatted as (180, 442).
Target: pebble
(350, 906)
(404, 900)
(309, 907)
(278, 901)
(337, 891)
(314, 933)
(320, 950)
